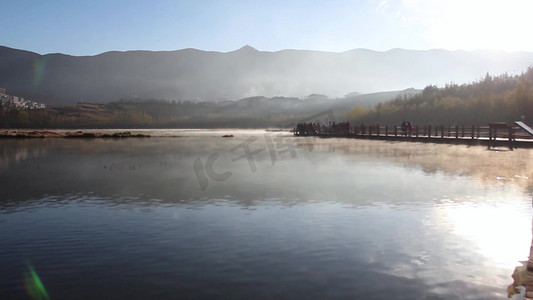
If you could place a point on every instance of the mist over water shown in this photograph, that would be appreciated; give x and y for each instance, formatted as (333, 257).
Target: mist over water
(189, 214)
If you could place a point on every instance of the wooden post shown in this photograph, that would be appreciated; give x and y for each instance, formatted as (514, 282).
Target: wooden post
(473, 131)
(395, 130)
(511, 137)
(457, 131)
(442, 131)
(416, 130)
(377, 129)
(386, 130)
(490, 138)
(463, 131)
(429, 130)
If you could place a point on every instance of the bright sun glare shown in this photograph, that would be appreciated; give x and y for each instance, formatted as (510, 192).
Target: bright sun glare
(467, 25)
(498, 234)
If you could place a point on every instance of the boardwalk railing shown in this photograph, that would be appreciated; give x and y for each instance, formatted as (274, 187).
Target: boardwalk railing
(493, 135)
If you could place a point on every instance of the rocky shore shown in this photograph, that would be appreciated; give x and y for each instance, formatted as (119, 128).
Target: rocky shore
(66, 134)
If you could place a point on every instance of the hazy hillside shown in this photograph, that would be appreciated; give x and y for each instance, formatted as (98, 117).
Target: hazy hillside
(196, 75)
(501, 98)
(252, 112)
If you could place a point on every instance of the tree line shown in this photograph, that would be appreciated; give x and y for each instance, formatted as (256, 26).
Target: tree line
(503, 98)
(146, 114)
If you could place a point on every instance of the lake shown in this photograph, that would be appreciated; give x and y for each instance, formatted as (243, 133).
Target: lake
(264, 215)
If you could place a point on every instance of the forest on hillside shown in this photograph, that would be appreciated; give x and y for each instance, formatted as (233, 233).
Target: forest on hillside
(135, 114)
(501, 98)
(252, 112)
(255, 112)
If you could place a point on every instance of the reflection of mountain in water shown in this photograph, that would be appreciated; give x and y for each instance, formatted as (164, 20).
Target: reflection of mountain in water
(160, 170)
(14, 152)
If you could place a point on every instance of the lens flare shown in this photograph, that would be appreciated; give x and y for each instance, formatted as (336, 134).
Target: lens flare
(34, 285)
(39, 68)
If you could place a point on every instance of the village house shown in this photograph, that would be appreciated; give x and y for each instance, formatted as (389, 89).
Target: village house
(17, 103)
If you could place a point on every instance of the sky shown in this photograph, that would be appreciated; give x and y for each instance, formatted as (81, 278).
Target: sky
(97, 26)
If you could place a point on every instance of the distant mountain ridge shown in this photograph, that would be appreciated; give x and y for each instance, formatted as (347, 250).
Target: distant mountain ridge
(197, 75)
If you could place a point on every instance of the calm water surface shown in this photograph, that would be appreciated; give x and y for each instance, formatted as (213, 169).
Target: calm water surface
(263, 215)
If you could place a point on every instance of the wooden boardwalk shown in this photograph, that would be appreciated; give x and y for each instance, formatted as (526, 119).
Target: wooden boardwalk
(517, 135)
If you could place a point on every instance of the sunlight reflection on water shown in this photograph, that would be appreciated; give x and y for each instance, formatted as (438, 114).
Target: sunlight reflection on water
(343, 218)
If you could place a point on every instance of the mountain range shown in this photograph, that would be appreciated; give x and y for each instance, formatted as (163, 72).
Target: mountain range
(197, 75)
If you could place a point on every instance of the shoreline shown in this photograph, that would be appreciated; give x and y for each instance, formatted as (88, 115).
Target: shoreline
(123, 132)
(67, 134)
